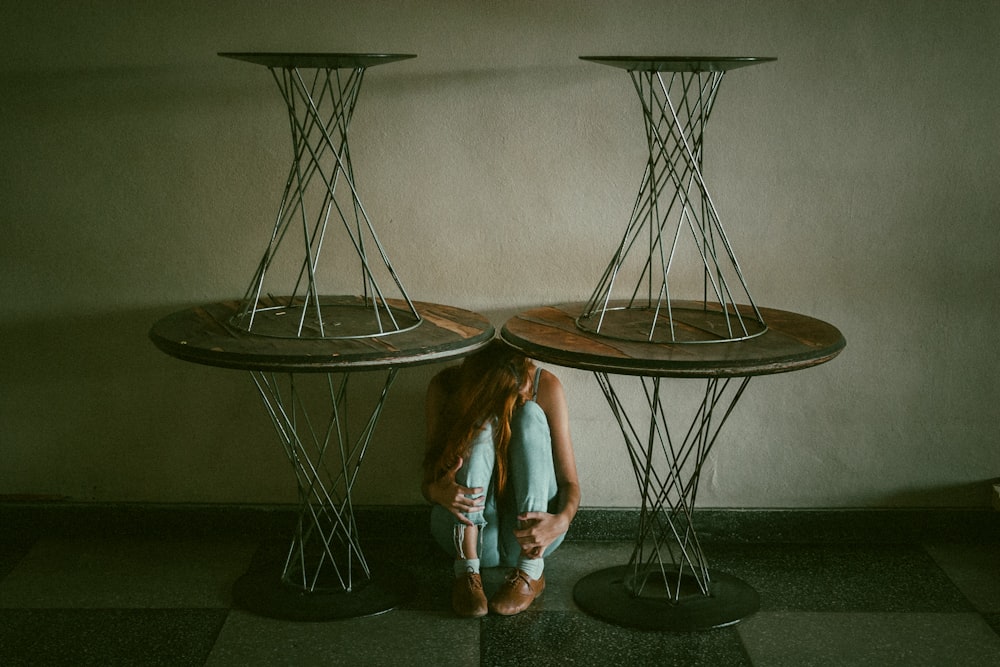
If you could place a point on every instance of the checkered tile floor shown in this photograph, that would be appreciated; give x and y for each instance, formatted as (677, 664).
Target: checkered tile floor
(166, 600)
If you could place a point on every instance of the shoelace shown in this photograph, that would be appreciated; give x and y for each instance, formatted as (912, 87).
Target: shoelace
(514, 575)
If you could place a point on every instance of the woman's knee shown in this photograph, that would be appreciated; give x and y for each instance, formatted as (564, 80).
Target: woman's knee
(477, 468)
(530, 424)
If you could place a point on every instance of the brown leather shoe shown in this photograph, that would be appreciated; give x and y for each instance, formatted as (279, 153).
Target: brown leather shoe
(467, 597)
(517, 593)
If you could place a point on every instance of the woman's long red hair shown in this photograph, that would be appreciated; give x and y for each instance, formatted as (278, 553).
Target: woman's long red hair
(485, 386)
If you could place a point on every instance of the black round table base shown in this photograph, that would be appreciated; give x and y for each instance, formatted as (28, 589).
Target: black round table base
(262, 592)
(603, 594)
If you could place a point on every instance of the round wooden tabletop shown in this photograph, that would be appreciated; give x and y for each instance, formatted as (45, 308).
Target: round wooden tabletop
(208, 335)
(791, 342)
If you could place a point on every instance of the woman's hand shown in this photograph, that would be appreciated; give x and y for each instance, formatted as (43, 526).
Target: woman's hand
(538, 530)
(454, 497)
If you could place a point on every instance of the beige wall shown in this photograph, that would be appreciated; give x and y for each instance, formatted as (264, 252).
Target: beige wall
(857, 176)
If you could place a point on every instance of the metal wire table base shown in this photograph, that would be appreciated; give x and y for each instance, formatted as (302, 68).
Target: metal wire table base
(667, 583)
(325, 574)
(674, 239)
(321, 212)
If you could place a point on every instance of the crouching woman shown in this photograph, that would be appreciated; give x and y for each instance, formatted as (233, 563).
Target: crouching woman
(501, 473)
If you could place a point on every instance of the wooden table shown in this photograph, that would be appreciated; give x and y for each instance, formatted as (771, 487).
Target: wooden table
(211, 335)
(306, 389)
(667, 583)
(674, 243)
(790, 342)
(303, 347)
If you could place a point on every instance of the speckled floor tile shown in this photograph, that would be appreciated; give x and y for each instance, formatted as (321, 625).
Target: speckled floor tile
(975, 569)
(907, 640)
(567, 638)
(124, 573)
(573, 561)
(432, 572)
(841, 577)
(72, 637)
(394, 638)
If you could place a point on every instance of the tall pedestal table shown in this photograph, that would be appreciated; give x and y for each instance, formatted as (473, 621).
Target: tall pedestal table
(308, 390)
(634, 326)
(304, 347)
(667, 583)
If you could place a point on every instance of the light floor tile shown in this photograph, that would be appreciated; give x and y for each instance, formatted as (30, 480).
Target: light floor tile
(570, 563)
(566, 638)
(126, 573)
(803, 639)
(397, 638)
(975, 569)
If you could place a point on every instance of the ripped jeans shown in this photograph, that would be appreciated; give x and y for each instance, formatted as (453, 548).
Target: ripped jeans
(531, 487)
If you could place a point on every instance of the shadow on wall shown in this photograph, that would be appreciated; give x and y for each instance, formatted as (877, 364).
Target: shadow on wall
(971, 494)
(91, 410)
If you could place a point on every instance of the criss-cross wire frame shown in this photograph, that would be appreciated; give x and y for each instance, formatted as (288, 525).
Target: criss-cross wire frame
(313, 205)
(326, 455)
(667, 560)
(674, 203)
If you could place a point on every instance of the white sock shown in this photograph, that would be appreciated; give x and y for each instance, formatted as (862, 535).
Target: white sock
(533, 567)
(466, 566)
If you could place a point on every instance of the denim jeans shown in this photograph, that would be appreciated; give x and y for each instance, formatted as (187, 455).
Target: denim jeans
(531, 487)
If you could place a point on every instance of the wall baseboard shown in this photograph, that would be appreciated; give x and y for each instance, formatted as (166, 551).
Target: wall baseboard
(25, 520)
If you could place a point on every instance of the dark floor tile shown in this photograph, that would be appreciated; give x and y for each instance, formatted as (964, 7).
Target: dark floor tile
(11, 553)
(425, 567)
(429, 568)
(841, 577)
(994, 621)
(396, 639)
(106, 637)
(571, 638)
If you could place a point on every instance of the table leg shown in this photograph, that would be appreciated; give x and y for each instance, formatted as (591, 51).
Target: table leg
(325, 574)
(667, 584)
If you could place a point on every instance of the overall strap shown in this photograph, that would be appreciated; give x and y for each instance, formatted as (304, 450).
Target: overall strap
(534, 385)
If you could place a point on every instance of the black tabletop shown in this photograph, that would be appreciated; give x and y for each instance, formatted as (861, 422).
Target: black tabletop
(677, 63)
(318, 60)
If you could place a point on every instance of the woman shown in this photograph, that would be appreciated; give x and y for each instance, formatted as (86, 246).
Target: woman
(501, 473)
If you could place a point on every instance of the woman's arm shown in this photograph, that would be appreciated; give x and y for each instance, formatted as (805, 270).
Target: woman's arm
(444, 490)
(540, 529)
